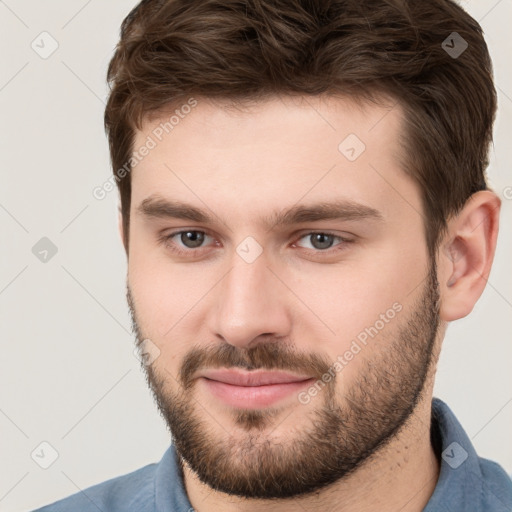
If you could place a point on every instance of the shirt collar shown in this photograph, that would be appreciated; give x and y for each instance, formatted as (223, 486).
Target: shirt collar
(170, 494)
(460, 477)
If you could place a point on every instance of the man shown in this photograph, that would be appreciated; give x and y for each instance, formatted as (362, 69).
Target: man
(304, 210)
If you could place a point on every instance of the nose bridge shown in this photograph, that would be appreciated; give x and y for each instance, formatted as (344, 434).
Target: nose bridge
(248, 303)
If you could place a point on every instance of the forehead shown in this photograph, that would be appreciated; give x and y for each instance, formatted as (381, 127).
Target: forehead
(268, 152)
(296, 117)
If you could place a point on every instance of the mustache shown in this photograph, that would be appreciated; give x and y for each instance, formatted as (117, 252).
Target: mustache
(267, 356)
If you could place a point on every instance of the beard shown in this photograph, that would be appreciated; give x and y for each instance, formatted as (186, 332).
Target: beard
(345, 429)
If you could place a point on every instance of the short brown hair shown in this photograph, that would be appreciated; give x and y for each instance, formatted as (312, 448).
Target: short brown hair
(252, 49)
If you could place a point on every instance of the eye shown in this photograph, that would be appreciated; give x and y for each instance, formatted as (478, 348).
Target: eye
(190, 241)
(322, 241)
(184, 242)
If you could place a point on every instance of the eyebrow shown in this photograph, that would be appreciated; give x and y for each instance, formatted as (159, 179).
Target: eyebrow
(158, 207)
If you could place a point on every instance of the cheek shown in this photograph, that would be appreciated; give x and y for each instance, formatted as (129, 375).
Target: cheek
(356, 305)
(164, 297)
(348, 299)
(163, 291)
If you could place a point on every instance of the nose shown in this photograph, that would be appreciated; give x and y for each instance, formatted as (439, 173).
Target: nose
(251, 304)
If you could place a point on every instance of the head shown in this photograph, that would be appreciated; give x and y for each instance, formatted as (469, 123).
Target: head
(302, 189)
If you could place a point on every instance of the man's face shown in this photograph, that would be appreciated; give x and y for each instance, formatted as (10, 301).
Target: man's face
(288, 348)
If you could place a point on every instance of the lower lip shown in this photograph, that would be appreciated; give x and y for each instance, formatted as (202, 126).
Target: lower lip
(251, 397)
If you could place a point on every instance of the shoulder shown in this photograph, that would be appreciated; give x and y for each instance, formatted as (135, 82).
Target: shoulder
(496, 486)
(466, 480)
(132, 491)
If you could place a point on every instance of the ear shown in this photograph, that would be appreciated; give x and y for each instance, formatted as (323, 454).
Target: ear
(465, 256)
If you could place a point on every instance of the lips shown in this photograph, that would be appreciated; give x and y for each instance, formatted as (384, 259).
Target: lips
(252, 390)
(253, 378)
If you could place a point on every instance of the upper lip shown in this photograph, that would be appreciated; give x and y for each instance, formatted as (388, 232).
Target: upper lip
(252, 378)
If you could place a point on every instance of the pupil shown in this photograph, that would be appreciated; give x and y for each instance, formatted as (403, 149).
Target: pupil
(195, 237)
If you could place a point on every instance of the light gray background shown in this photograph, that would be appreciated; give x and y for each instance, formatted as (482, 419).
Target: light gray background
(68, 375)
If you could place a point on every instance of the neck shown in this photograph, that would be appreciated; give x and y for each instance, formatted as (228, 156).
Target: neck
(401, 476)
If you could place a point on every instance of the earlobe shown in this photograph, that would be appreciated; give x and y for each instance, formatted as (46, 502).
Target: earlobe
(467, 254)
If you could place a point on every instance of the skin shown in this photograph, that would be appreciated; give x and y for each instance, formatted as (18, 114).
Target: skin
(242, 166)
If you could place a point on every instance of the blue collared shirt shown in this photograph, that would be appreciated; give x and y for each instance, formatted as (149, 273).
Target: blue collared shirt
(467, 482)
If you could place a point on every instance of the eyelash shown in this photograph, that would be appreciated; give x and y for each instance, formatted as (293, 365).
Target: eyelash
(166, 240)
